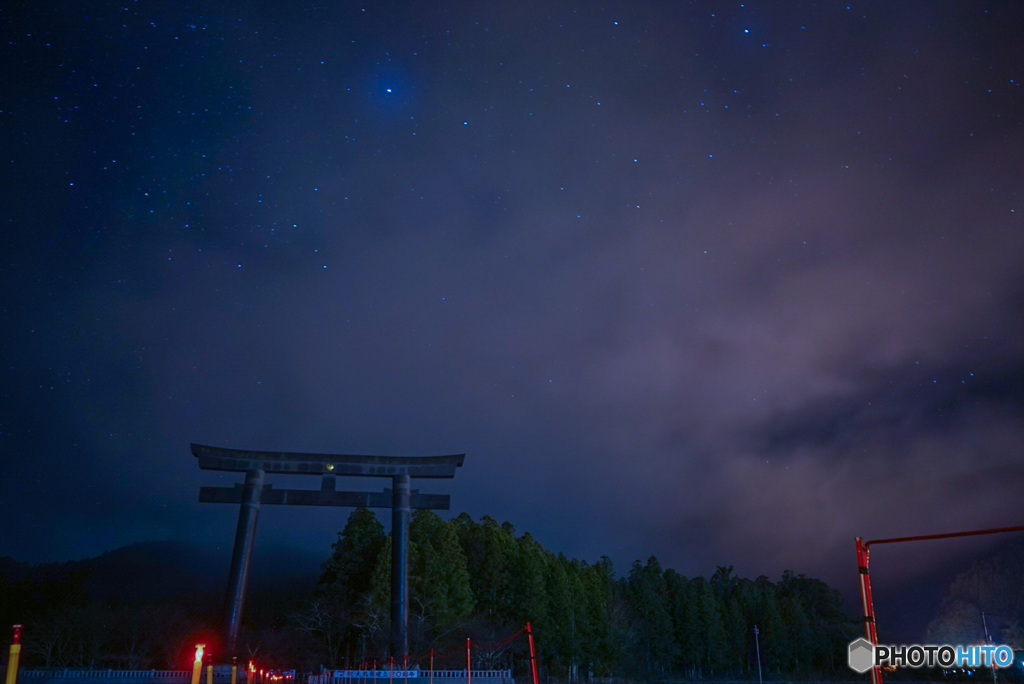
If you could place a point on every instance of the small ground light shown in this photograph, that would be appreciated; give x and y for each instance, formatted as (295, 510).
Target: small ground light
(197, 666)
(14, 656)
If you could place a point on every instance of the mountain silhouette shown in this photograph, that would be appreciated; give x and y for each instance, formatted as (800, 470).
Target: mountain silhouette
(155, 571)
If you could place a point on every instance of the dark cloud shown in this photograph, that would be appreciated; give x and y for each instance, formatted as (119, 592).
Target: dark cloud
(901, 406)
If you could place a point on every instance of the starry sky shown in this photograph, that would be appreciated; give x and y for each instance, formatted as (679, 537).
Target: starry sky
(727, 283)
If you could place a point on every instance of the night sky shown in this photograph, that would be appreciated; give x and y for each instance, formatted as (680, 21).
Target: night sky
(727, 283)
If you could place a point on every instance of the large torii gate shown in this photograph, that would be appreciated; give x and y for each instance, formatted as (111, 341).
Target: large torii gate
(401, 499)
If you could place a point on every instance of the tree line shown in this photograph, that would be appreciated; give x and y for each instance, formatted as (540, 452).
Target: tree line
(482, 580)
(468, 579)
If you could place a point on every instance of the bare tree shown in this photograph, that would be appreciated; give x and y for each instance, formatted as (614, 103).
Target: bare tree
(326, 623)
(89, 642)
(137, 632)
(50, 639)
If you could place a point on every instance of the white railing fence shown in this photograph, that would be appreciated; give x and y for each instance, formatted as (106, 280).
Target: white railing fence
(54, 674)
(418, 676)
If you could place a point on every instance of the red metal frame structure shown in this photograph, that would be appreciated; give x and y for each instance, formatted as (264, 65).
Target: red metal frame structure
(863, 558)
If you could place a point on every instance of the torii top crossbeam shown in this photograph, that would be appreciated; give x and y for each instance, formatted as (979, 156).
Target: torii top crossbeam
(239, 460)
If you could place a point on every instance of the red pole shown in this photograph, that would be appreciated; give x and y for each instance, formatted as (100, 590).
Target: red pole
(431, 666)
(867, 604)
(405, 666)
(391, 672)
(468, 680)
(533, 652)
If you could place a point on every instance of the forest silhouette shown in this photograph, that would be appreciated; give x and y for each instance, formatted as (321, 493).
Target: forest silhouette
(468, 579)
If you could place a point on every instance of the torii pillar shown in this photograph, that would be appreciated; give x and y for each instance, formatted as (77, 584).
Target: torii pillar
(401, 499)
